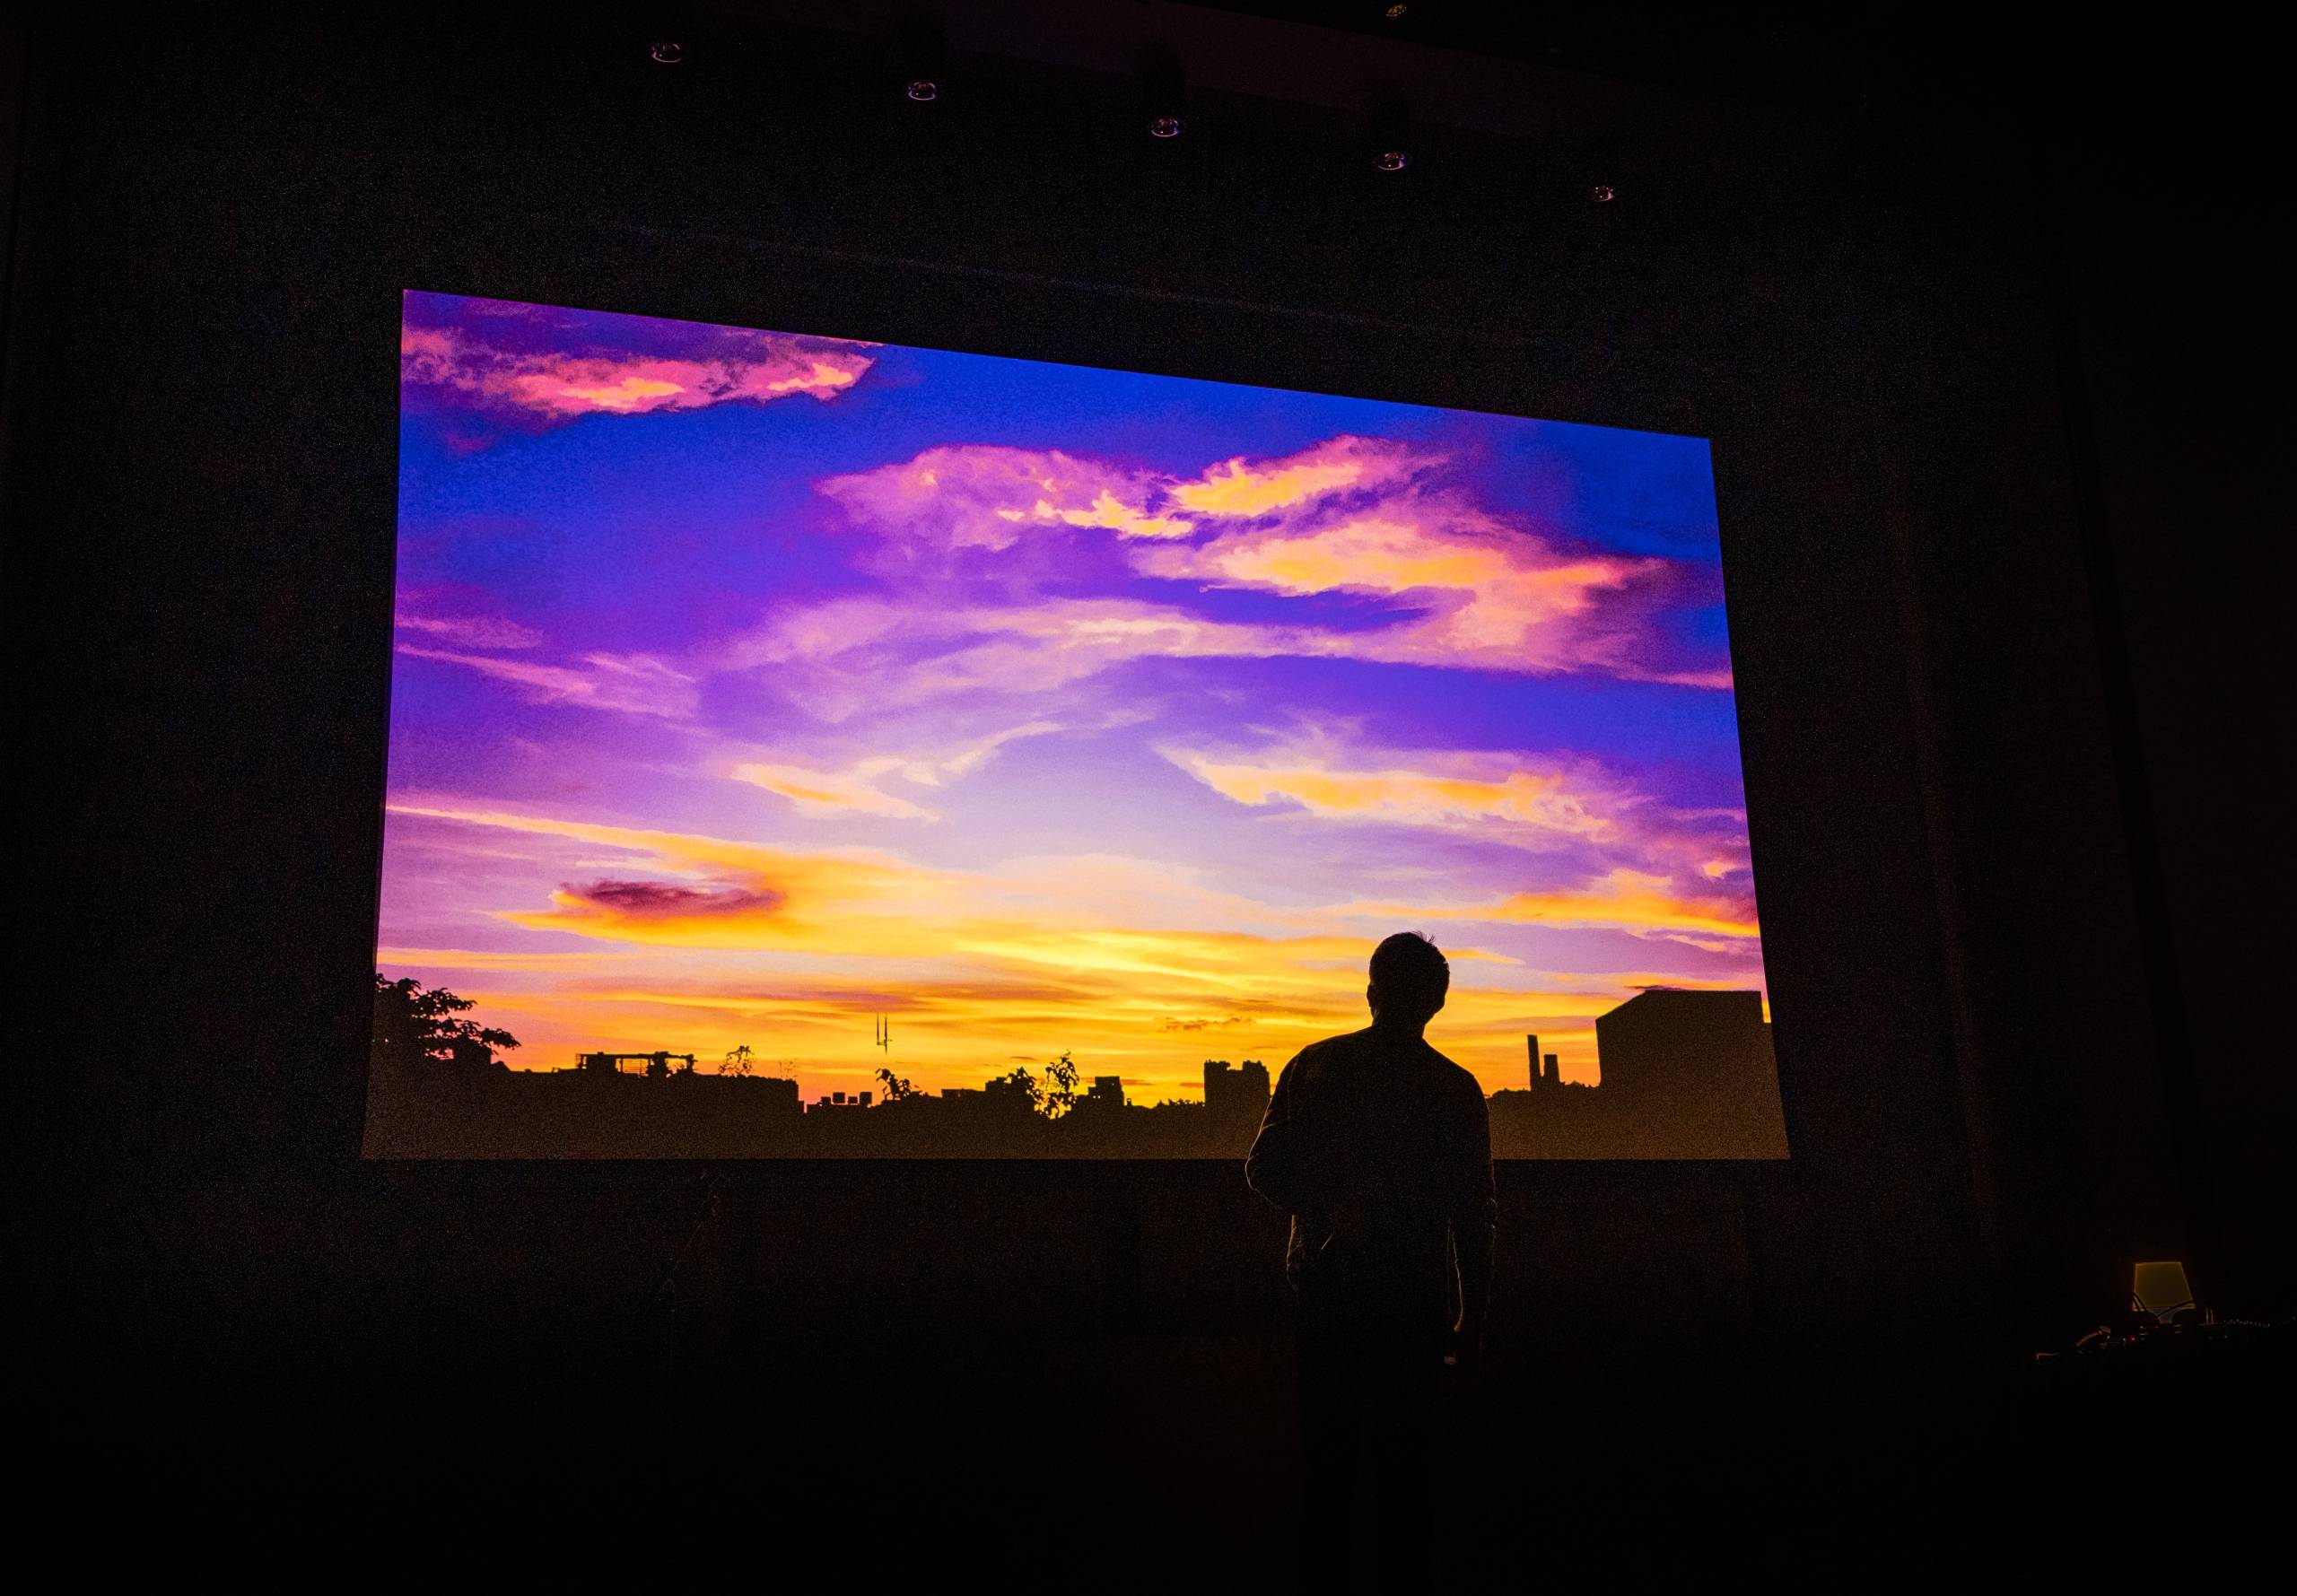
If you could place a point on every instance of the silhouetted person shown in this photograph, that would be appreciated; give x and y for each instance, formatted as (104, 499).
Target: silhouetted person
(1380, 1148)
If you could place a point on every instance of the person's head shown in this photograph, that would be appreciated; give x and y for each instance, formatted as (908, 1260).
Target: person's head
(1409, 979)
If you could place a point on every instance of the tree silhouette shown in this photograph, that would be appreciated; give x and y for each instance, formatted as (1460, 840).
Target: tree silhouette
(738, 1062)
(896, 1087)
(1024, 1086)
(415, 1027)
(1059, 1094)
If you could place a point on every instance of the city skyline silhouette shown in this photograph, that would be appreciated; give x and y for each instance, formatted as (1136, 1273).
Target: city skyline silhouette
(1693, 1078)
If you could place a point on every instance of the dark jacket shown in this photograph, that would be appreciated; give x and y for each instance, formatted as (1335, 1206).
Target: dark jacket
(1389, 1127)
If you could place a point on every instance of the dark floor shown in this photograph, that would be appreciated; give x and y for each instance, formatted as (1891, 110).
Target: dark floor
(277, 1360)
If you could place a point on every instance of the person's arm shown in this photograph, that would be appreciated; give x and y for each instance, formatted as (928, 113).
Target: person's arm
(1475, 1212)
(1281, 1166)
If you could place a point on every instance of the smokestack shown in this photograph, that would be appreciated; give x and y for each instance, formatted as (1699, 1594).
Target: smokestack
(1552, 1071)
(1532, 1044)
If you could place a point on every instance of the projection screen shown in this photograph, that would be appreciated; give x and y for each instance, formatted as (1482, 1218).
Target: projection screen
(809, 747)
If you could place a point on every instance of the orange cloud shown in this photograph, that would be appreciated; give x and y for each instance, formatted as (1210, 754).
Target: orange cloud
(731, 894)
(464, 958)
(1633, 900)
(823, 793)
(1623, 900)
(786, 951)
(1491, 597)
(1107, 511)
(1235, 489)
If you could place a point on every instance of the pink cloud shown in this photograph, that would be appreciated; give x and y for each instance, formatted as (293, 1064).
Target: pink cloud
(1349, 516)
(1491, 597)
(552, 387)
(473, 631)
(989, 497)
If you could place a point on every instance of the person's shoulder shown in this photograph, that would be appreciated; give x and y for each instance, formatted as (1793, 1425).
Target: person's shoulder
(1327, 1052)
(1456, 1076)
(1328, 1047)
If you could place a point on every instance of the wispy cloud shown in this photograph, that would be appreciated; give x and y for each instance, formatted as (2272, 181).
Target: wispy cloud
(827, 793)
(635, 683)
(472, 631)
(1521, 805)
(1567, 807)
(843, 655)
(860, 788)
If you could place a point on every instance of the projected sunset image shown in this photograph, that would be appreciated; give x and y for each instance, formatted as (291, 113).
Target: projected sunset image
(777, 719)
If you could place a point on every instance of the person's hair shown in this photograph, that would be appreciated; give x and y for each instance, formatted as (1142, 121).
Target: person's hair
(1410, 975)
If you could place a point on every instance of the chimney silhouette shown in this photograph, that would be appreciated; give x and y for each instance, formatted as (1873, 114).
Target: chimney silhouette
(1552, 1071)
(1532, 1043)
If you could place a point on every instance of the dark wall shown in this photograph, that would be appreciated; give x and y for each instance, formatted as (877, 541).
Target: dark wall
(1969, 1000)
(2172, 324)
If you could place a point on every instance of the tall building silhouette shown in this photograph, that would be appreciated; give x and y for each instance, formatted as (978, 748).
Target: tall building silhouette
(1235, 1097)
(1545, 1071)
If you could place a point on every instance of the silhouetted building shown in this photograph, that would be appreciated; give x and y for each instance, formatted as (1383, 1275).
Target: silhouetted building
(598, 1109)
(656, 1065)
(1235, 1100)
(1235, 1091)
(469, 1053)
(1545, 1072)
(1692, 1071)
(776, 1096)
(1685, 1074)
(1107, 1090)
(1008, 1093)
